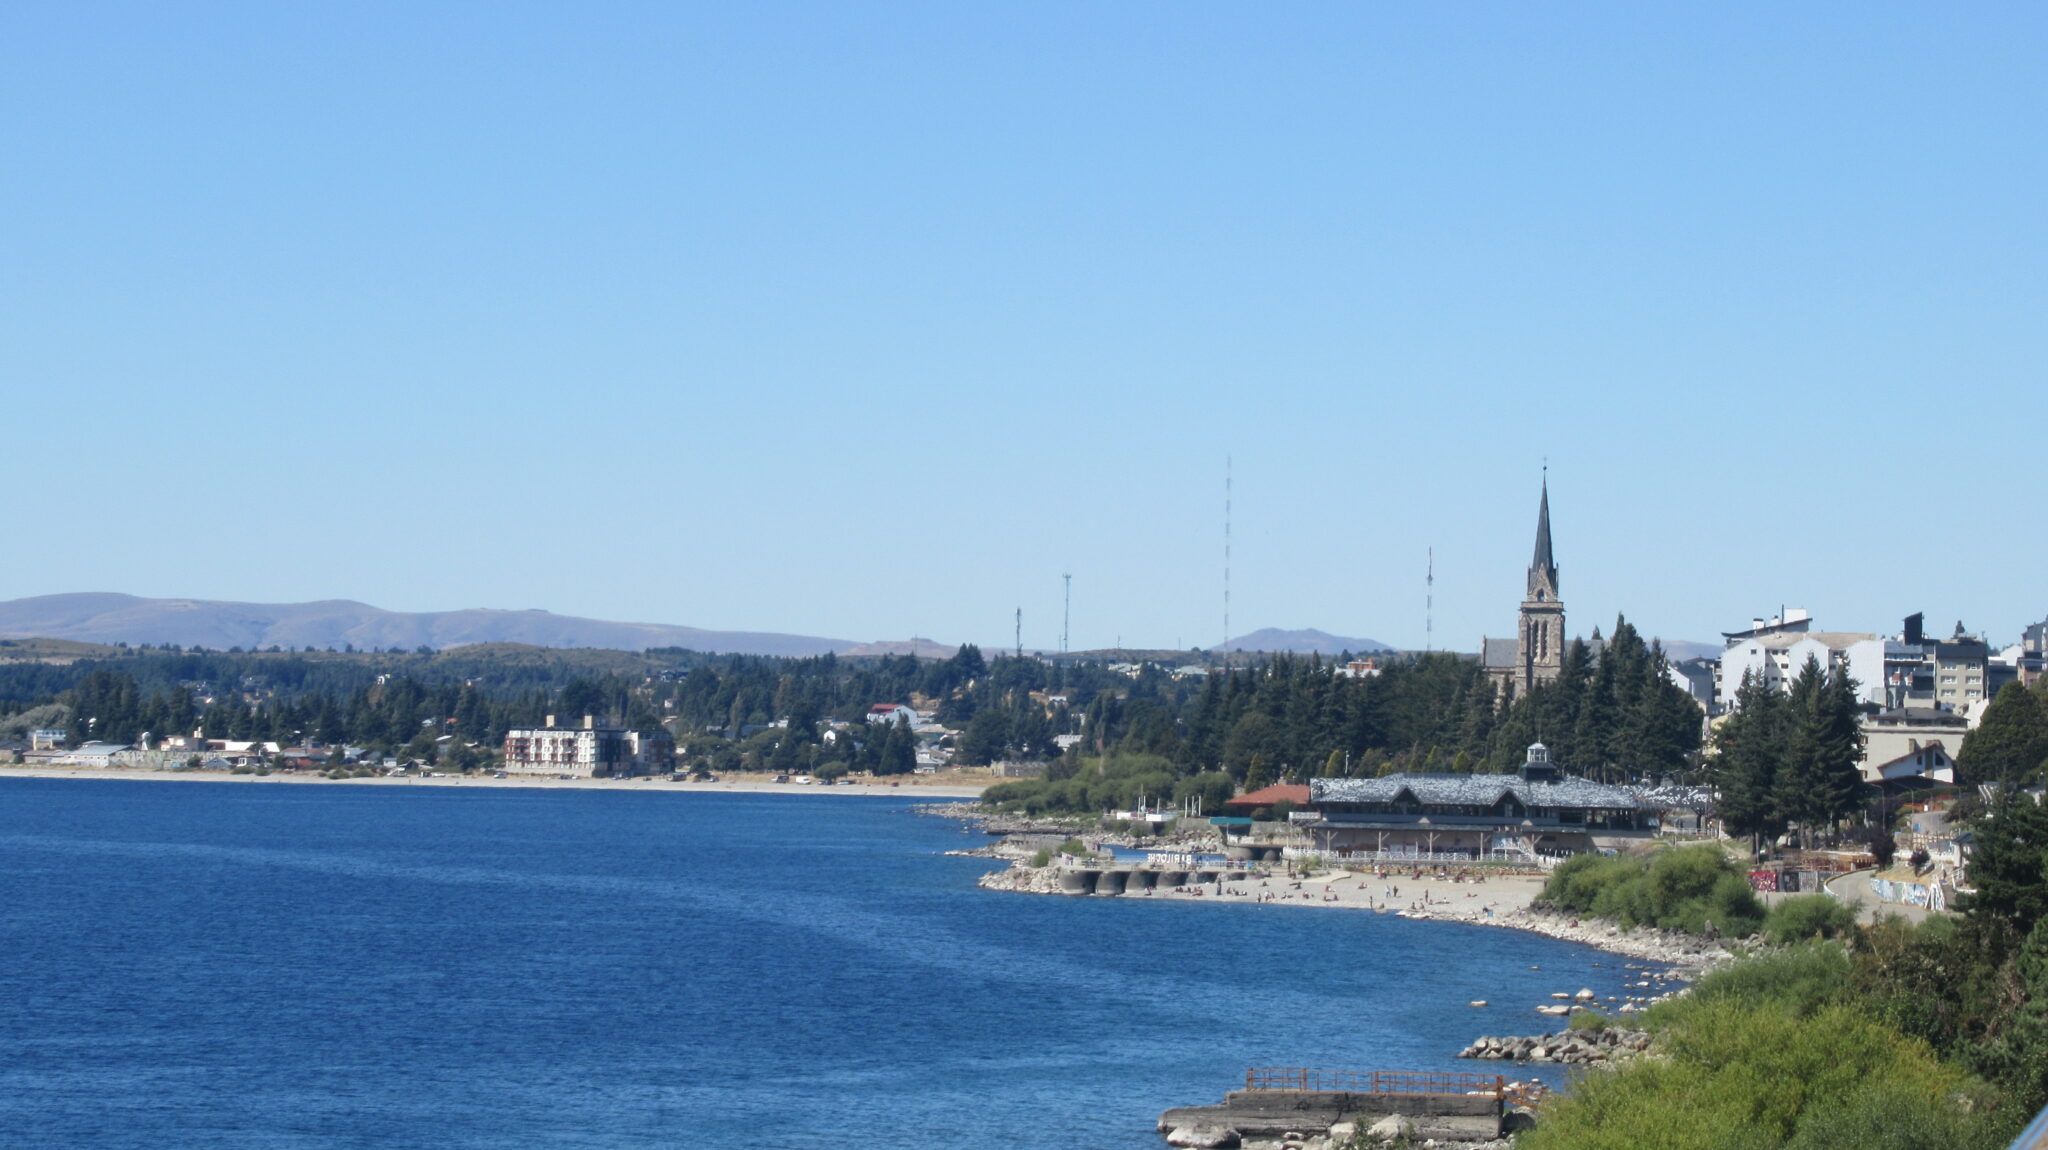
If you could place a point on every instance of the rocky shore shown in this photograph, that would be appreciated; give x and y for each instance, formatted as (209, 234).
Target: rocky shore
(1575, 1047)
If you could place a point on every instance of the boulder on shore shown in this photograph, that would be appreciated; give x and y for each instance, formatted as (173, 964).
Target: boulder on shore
(1391, 1127)
(1202, 1137)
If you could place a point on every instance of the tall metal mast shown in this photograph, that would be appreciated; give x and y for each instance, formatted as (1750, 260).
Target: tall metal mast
(1020, 632)
(1226, 558)
(1067, 610)
(1429, 605)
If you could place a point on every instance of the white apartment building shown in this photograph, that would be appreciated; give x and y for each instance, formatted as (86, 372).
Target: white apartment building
(588, 751)
(1778, 656)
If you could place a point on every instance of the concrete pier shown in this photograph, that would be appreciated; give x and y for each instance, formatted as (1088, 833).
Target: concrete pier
(1464, 1107)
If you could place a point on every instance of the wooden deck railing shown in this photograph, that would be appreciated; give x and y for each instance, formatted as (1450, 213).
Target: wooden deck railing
(1303, 1079)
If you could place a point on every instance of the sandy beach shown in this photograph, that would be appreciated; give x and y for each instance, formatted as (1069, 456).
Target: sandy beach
(1489, 900)
(762, 785)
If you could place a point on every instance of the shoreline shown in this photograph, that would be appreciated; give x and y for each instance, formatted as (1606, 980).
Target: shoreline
(1496, 901)
(645, 784)
(1473, 896)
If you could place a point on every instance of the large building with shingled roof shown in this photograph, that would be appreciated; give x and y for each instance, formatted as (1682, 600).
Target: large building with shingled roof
(1532, 813)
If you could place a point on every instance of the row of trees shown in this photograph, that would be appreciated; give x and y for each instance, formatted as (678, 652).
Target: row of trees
(1613, 714)
(1790, 759)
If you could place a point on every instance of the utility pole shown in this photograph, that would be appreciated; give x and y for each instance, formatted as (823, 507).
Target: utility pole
(1226, 559)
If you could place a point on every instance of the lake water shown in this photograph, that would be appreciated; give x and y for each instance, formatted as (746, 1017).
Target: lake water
(222, 965)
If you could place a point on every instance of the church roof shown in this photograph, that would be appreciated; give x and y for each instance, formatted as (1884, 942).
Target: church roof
(1472, 790)
(1497, 653)
(1544, 560)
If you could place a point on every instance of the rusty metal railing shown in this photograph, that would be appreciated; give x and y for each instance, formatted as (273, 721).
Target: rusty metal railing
(1306, 1080)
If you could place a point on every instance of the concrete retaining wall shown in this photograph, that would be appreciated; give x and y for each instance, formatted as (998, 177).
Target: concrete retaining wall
(1259, 1113)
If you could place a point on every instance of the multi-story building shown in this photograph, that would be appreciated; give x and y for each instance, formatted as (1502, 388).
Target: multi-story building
(1775, 653)
(588, 751)
(1911, 741)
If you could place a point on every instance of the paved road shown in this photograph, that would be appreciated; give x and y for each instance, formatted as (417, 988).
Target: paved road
(1854, 889)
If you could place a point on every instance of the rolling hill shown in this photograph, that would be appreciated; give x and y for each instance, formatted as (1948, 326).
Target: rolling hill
(1304, 642)
(107, 617)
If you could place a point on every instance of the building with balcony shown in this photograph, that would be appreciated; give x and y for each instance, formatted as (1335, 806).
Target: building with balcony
(588, 751)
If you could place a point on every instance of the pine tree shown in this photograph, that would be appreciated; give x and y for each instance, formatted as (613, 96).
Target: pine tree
(2011, 742)
(1838, 741)
(1744, 770)
(1800, 790)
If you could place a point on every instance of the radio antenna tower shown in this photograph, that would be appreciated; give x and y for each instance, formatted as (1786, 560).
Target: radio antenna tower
(1429, 605)
(1020, 632)
(1226, 559)
(1067, 610)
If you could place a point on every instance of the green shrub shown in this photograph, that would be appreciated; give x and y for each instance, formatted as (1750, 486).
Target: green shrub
(1690, 888)
(1075, 847)
(1738, 1078)
(1796, 981)
(1877, 1118)
(1591, 1020)
(1808, 916)
(1042, 859)
(1115, 782)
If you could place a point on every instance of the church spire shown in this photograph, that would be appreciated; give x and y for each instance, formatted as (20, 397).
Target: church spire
(1543, 568)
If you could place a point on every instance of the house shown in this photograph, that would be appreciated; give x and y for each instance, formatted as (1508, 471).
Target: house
(46, 739)
(1367, 668)
(1895, 735)
(893, 713)
(1296, 793)
(588, 751)
(1929, 762)
(1437, 816)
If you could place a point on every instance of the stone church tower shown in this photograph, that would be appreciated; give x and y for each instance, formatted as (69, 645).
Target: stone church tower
(1536, 653)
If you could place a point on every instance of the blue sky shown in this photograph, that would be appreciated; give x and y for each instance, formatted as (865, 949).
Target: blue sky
(867, 320)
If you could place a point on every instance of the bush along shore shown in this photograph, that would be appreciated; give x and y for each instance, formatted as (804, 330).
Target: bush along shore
(1825, 1034)
(1806, 1030)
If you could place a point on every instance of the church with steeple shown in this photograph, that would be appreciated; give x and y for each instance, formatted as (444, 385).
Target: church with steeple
(1536, 653)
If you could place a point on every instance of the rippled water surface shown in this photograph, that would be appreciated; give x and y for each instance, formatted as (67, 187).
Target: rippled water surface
(221, 965)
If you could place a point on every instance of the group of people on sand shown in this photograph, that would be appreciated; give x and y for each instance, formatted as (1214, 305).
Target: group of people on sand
(1387, 880)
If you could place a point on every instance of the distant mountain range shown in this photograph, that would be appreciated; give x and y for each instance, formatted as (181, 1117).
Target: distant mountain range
(106, 617)
(1305, 642)
(1679, 650)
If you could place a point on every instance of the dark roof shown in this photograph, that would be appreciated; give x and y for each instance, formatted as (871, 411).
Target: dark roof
(1497, 653)
(1472, 790)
